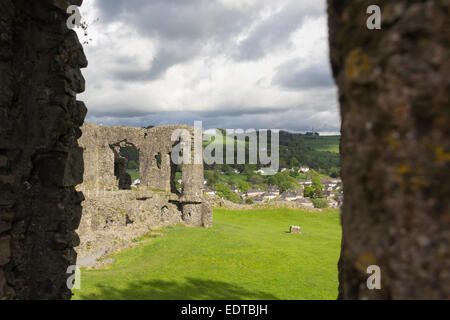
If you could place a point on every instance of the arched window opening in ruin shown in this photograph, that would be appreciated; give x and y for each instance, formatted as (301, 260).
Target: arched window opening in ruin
(131, 154)
(158, 159)
(126, 166)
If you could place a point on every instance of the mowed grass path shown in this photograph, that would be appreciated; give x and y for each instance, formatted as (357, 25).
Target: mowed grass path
(246, 255)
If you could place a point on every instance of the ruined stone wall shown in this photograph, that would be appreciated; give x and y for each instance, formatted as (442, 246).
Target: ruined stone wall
(40, 160)
(112, 220)
(97, 142)
(394, 90)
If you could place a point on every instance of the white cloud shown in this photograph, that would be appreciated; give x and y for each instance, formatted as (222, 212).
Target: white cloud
(221, 67)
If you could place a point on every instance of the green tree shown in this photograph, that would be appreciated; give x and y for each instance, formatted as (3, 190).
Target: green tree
(308, 192)
(284, 181)
(212, 177)
(248, 201)
(243, 186)
(294, 163)
(222, 190)
(320, 203)
(316, 185)
(334, 172)
(256, 179)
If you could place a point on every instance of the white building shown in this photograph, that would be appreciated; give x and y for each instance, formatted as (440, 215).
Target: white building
(253, 193)
(210, 191)
(304, 169)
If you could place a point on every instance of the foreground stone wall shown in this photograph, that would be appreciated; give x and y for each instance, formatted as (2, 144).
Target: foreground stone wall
(394, 90)
(40, 160)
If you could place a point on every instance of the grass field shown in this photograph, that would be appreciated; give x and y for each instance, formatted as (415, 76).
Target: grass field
(323, 143)
(133, 174)
(246, 255)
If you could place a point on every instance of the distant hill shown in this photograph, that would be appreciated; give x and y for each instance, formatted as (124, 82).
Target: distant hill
(317, 152)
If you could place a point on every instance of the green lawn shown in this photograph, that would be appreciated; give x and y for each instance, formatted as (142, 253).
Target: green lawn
(133, 174)
(246, 255)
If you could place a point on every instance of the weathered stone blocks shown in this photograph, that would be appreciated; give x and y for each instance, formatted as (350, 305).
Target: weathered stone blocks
(105, 169)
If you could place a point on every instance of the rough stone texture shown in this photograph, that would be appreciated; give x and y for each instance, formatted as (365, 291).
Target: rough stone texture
(112, 220)
(40, 161)
(105, 169)
(394, 89)
(101, 147)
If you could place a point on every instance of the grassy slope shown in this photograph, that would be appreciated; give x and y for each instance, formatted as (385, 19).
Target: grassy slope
(323, 143)
(246, 255)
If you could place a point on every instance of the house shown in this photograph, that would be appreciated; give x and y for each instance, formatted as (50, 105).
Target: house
(234, 189)
(269, 196)
(210, 191)
(205, 181)
(304, 169)
(136, 183)
(291, 195)
(305, 182)
(258, 199)
(266, 171)
(253, 193)
(328, 194)
(329, 185)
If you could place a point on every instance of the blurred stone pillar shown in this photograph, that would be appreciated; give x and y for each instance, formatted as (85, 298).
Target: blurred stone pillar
(394, 90)
(40, 160)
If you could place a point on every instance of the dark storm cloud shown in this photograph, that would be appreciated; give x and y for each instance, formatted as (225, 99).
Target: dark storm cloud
(293, 76)
(185, 26)
(276, 30)
(182, 27)
(162, 61)
(180, 31)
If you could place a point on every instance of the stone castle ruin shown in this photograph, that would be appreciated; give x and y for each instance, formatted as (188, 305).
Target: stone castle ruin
(113, 215)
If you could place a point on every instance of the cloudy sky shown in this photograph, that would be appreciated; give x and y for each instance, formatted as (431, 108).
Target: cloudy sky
(229, 63)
